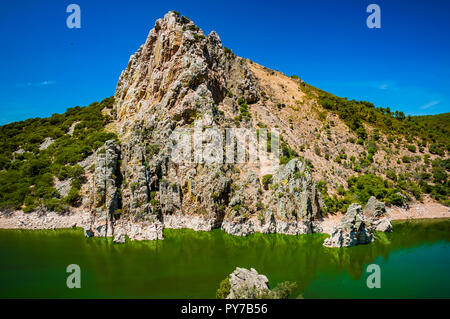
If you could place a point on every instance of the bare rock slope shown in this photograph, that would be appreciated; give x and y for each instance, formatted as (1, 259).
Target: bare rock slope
(180, 78)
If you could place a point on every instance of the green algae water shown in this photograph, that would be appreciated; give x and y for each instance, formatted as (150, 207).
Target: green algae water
(414, 261)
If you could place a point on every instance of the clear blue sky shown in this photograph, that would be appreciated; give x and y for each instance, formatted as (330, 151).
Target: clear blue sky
(46, 67)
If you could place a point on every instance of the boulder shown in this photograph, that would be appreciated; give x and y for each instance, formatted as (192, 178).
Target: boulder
(88, 232)
(404, 201)
(351, 230)
(247, 284)
(374, 208)
(119, 238)
(376, 217)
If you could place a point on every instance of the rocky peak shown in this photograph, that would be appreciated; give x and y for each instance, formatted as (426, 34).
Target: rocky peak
(180, 79)
(178, 73)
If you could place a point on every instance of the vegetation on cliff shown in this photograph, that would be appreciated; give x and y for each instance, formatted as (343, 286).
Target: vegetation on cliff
(376, 128)
(29, 168)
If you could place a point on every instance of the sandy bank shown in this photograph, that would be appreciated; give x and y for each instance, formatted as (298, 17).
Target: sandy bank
(51, 220)
(416, 211)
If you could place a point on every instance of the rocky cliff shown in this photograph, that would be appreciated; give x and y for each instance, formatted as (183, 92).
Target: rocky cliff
(180, 79)
(197, 137)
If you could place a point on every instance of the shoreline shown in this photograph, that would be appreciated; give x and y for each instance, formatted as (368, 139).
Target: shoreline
(429, 210)
(80, 218)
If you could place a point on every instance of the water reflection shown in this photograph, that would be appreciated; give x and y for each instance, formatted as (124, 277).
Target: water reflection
(189, 264)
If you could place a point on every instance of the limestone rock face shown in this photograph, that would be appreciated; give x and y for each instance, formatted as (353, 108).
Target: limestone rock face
(105, 175)
(105, 202)
(293, 199)
(404, 202)
(177, 76)
(376, 217)
(180, 80)
(247, 284)
(351, 231)
(104, 197)
(119, 237)
(292, 205)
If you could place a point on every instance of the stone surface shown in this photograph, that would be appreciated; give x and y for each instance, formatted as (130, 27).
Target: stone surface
(247, 284)
(375, 216)
(404, 203)
(351, 230)
(180, 79)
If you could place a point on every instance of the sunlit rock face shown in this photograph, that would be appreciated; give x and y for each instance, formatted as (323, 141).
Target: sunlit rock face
(181, 79)
(247, 284)
(351, 231)
(376, 217)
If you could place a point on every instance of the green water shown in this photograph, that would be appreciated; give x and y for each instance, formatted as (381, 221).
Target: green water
(414, 261)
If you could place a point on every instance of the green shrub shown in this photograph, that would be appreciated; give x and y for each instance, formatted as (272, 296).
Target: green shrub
(283, 290)
(406, 159)
(54, 205)
(411, 148)
(224, 289)
(266, 180)
(73, 197)
(437, 149)
(363, 187)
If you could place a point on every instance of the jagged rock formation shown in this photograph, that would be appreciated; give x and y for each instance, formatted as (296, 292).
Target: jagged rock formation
(179, 79)
(105, 219)
(375, 216)
(247, 284)
(292, 205)
(351, 231)
(183, 81)
(104, 193)
(357, 226)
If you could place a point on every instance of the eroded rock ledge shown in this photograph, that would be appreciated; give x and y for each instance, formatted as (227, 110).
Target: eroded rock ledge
(357, 226)
(248, 284)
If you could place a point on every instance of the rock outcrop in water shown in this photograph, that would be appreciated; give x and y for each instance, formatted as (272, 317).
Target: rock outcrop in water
(248, 284)
(357, 226)
(352, 230)
(376, 217)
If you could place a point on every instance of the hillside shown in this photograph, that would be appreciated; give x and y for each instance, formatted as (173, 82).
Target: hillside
(113, 158)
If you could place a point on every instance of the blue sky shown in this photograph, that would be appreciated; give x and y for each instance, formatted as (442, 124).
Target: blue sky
(47, 67)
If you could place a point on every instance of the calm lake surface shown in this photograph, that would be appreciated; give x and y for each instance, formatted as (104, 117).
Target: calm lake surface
(414, 261)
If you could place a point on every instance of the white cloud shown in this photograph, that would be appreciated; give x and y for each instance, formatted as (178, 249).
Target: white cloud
(381, 85)
(429, 104)
(43, 83)
(30, 84)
